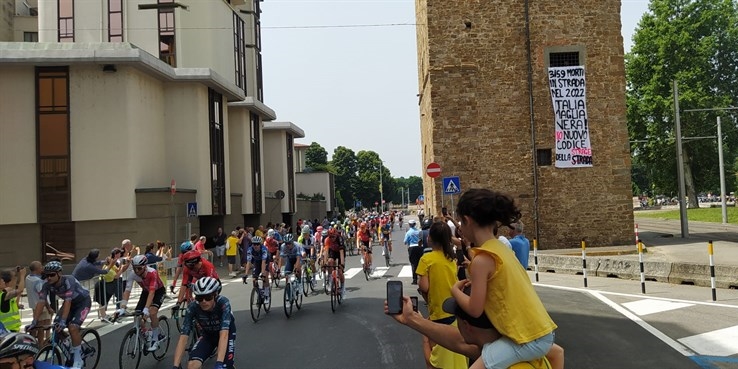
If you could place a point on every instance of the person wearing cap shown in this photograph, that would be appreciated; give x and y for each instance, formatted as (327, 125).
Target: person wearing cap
(415, 252)
(500, 288)
(73, 311)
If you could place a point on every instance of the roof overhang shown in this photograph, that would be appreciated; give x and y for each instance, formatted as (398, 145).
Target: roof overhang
(103, 53)
(255, 106)
(290, 127)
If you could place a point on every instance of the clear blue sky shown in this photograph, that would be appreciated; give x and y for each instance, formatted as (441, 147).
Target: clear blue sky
(355, 86)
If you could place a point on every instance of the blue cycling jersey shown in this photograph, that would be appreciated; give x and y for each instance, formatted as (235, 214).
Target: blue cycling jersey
(256, 255)
(287, 251)
(218, 319)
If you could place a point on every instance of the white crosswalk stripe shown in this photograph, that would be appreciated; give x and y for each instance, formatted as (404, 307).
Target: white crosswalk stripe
(406, 272)
(379, 272)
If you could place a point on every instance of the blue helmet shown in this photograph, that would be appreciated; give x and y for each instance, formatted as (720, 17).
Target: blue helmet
(289, 237)
(185, 246)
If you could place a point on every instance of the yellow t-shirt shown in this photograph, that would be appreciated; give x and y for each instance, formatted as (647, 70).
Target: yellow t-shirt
(441, 274)
(232, 249)
(111, 274)
(512, 305)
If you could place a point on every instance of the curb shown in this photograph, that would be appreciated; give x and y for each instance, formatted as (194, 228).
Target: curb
(726, 276)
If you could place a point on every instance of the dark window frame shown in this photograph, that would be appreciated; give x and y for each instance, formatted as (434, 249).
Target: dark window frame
(239, 51)
(217, 149)
(167, 34)
(544, 157)
(115, 37)
(257, 45)
(564, 59)
(30, 36)
(256, 162)
(68, 35)
(291, 172)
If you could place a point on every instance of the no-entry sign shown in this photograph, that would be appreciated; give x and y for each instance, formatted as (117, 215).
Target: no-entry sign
(433, 170)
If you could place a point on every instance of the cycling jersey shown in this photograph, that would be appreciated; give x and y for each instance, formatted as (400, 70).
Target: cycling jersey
(150, 281)
(207, 269)
(305, 241)
(332, 244)
(386, 232)
(68, 289)
(290, 252)
(272, 245)
(365, 235)
(218, 319)
(257, 255)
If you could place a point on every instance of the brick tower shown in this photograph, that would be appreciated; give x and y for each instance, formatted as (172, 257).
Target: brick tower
(495, 114)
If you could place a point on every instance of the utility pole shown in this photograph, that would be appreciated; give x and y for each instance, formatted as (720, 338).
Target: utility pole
(381, 195)
(680, 167)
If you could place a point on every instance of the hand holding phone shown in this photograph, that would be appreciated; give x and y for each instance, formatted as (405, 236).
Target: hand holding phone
(414, 300)
(394, 297)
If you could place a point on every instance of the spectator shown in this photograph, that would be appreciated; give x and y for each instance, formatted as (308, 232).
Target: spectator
(231, 252)
(151, 257)
(200, 247)
(109, 285)
(220, 245)
(12, 284)
(89, 267)
(520, 244)
(33, 287)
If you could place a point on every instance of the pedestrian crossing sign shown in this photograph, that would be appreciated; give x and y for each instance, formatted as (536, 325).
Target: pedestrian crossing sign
(451, 185)
(191, 209)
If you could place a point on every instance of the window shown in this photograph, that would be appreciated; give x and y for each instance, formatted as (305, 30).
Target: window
(257, 43)
(52, 142)
(256, 161)
(543, 157)
(167, 42)
(239, 51)
(65, 20)
(563, 59)
(30, 36)
(115, 20)
(217, 161)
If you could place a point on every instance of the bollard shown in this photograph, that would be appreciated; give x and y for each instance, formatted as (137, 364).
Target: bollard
(638, 241)
(535, 257)
(584, 262)
(712, 270)
(640, 261)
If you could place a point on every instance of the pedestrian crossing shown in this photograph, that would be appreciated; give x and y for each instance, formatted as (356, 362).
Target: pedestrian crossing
(395, 271)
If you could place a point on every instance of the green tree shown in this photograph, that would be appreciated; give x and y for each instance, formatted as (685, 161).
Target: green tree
(367, 185)
(316, 158)
(345, 167)
(694, 42)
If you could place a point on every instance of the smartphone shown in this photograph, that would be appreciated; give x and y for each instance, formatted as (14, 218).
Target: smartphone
(444, 212)
(394, 297)
(414, 299)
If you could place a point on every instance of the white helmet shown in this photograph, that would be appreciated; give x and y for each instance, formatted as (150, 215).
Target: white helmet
(139, 260)
(270, 233)
(206, 286)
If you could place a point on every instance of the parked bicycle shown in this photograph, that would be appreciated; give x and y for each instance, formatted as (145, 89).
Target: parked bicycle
(136, 340)
(59, 349)
(260, 297)
(292, 294)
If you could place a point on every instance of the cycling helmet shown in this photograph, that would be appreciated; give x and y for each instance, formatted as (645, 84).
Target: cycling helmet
(139, 260)
(411, 222)
(270, 233)
(324, 233)
(306, 229)
(363, 224)
(185, 246)
(289, 237)
(16, 344)
(427, 223)
(53, 267)
(256, 240)
(191, 257)
(332, 232)
(206, 286)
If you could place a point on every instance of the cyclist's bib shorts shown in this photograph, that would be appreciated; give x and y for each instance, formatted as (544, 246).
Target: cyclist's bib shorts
(207, 345)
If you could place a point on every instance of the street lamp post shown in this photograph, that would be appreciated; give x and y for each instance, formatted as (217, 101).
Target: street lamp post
(402, 196)
(381, 195)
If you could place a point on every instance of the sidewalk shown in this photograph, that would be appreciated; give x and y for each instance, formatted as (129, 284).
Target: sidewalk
(669, 258)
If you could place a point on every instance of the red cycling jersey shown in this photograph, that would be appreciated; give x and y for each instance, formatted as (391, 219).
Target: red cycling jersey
(150, 281)
(207, 269)
(364, 235)
(272, 245)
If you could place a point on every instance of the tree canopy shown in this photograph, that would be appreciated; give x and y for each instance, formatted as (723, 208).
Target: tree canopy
(694, 42)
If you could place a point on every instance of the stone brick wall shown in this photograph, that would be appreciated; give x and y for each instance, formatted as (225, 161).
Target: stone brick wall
(475, 108)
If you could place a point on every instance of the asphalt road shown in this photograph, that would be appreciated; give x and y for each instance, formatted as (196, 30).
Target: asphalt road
(597, 328)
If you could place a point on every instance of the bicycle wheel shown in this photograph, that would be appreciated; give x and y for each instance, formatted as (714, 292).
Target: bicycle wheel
(130, 351)
(275, 274)
(255, 304)
(298, 300)
(50, 354)
(288, 299)
(267, 305)
(339, 295)
(178, 312)
(305, 278)
(311, 281)
(367, 271)
(334, 300)
(161, 352)
(91, 346)
(386, 256)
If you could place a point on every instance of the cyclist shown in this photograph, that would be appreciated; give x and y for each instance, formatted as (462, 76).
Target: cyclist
(258, 256)
(272, 245)
(291, 254)
(399, 218)
(73, 311)
(308, 246)
(335, 254)
(387, 236)
(152, 296)
(196, 267)
(184, 248)
(212, 314)
(18, 351)
(365, 238)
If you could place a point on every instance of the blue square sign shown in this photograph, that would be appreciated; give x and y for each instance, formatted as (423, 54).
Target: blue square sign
(192, 209)
(451, 185)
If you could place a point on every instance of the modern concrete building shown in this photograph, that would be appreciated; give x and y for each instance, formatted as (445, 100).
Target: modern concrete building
(279, 171)
(120, 101)
(19, 20)
(488, 116)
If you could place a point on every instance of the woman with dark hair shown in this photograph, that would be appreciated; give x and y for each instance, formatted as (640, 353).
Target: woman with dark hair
(499, 287)
(436, 276)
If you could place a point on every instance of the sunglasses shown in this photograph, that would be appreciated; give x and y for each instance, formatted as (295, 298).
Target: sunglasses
(48, 275)
(192, 263)
(139, 268)
(202, 298)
